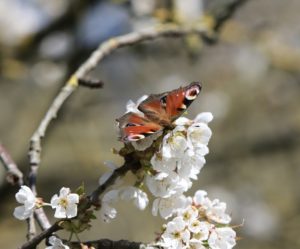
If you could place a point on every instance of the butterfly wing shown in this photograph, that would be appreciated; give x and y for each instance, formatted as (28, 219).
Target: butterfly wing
(134, 127)
(166, 107)
(159, 110)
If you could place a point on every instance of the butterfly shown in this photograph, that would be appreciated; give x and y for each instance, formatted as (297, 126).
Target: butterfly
(157, 112)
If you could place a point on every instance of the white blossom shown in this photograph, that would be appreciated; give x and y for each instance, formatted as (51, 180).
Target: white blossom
(164, 185)
(164, 165)
(204, 117)
(107, 211)
(200, 229)
(65, 204)
(183, 121)
(176, 234)
(214, 210)
(198, 134)
(167, 206)
(174, 143)
(26, 197)
(222, 238)
(189, 214)
(140, 198)
(196, 244)
(56, 243)
(190, 166)
(200, 197)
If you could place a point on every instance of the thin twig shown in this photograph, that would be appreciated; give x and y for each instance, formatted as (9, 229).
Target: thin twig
(226, 12)
(90, 82)
(106, 48)
(14, 175)
(31, 230)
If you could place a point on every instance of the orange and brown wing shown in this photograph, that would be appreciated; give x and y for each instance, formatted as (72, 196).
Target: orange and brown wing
(180, 99)
(134, 127)
(166, 107)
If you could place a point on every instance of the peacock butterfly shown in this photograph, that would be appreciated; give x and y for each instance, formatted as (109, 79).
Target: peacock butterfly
(157, 111)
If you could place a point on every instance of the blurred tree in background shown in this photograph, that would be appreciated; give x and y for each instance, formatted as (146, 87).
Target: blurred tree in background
(250, 74)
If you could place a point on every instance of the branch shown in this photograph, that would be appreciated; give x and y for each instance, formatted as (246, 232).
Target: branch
(94, 197)
(42, 218)
(222, 12)
(14, 175)
(31, 244)
(31, 228)
(107, 244)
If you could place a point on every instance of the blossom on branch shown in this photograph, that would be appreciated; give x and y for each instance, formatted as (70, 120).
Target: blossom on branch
(56, 243)
(65, 204)
(108, 212)
(140, 198)
(179, 160)
(214, 210)
(222, 238)
(192, 227)
(26, 197)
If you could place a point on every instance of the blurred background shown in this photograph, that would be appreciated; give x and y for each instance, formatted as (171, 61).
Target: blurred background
(251, 84)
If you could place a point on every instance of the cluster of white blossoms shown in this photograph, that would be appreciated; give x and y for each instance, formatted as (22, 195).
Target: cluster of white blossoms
(178, 162)
(202, 223)
(65, 204)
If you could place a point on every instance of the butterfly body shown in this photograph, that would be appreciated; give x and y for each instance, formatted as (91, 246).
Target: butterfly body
(158, 111)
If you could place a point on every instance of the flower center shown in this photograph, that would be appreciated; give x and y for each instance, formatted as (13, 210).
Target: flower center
(63, 202)
(176, 234)
(198, 236)
(186, 216)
